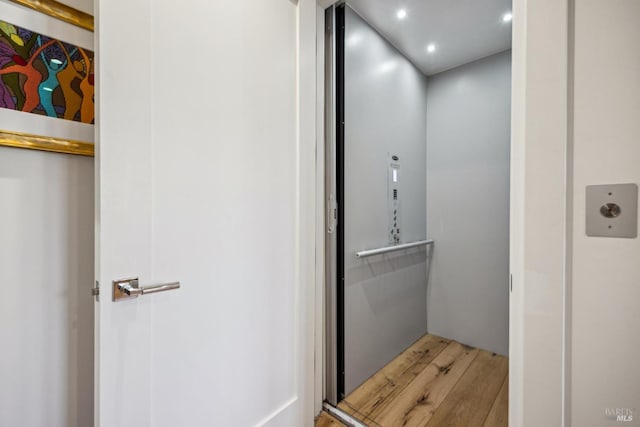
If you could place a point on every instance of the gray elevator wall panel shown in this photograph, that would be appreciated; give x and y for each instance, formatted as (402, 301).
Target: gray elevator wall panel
(468, 138)
(385, 114)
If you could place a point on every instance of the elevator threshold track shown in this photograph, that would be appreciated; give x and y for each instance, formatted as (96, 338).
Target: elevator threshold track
(435, 382)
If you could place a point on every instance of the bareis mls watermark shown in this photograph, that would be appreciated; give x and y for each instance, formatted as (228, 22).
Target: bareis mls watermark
(619, 414)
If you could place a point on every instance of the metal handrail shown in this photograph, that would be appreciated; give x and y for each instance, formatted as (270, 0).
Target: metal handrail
(387, 249)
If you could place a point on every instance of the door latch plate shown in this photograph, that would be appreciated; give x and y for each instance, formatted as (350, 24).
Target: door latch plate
(96, 291)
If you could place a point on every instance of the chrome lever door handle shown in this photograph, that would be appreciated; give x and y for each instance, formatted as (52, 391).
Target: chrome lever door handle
(130, 288)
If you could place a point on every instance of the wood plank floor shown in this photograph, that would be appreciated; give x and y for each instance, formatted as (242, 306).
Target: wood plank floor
(327, 420)
(436, 382)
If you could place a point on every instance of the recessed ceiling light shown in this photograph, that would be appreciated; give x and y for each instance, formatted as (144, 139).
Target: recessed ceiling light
(507, 17)
(402, 13)
(431, 48)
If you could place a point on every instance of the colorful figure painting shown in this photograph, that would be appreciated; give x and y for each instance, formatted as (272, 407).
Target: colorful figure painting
(45, 76)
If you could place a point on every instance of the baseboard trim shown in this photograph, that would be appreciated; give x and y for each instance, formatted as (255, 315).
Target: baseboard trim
(269, 418)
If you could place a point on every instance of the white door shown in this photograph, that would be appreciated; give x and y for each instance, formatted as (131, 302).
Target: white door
(196, 180)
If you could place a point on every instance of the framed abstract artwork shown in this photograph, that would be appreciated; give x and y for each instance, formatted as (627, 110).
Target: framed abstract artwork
(47, 77)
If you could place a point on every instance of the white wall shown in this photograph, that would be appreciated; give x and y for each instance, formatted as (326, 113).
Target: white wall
(468, 138)
(605, 291)
(385, 108)
(46, 272)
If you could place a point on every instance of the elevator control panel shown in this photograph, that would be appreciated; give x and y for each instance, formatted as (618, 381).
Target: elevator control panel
(393, 200)
(612, 210)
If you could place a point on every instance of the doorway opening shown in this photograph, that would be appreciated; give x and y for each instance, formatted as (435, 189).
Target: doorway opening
(417, 186)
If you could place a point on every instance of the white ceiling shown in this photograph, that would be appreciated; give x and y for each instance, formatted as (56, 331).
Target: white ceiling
(461, 30)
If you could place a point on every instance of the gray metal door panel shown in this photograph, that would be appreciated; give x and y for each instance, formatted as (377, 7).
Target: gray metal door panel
(385, 116)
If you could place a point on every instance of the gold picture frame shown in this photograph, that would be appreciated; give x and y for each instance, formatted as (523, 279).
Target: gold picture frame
(9, 138)
(45, 143)
(60, 11)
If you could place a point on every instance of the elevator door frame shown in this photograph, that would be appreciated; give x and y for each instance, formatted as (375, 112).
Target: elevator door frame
(334, 198)
(540, 169)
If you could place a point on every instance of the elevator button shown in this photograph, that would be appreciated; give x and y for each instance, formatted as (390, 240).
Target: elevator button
(610, 210)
